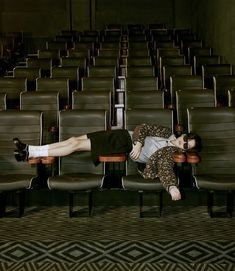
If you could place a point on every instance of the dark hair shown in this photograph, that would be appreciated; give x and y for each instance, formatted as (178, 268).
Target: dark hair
(198, 141)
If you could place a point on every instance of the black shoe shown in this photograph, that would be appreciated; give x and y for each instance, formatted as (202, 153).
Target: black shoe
(21, 156)
(19, 145)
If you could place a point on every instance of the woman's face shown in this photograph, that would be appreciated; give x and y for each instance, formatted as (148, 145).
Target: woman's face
(185, 143)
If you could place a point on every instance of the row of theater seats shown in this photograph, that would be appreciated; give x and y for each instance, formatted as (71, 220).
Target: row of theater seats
(144, 83)
(77, 172)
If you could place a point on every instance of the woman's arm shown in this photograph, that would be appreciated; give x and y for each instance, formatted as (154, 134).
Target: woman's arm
(144, 130)
(161, 165)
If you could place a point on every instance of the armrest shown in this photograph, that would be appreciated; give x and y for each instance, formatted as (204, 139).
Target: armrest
(193, 158)
(179, 157)
(113, 158)
(34, 161)
(48, 160)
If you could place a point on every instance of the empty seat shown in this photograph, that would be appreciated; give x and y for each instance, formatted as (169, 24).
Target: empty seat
(141, 83)
(48, 103)
(221, 84)
(13, 87)
(60, 85)
(54, 55)
(189, 98)
(180, 82)
(31, 74)
(98, 83)
(172, 70)
(44, 64)
(198, 51)
(102, 71)
(216, 171)
(105, 61)
(208, 71)
(79, 62)
(151, 99)
(92, 100)
(140, 71)
(70, 73)
(77, 171)
(198, 61)
(15, 176)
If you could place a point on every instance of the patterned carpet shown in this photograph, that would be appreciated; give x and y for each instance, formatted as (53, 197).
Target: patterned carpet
(116, 239)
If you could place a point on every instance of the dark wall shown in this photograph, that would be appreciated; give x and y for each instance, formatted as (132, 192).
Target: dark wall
(47, 17)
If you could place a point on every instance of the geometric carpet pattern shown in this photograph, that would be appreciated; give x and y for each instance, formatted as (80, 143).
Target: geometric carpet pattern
(115, 238)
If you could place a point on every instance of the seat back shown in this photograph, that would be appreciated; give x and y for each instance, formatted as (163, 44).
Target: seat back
(192, 98)
(93, 100)
(101, 71)
(98, 83)
(139, 61)
(216, 127)
(3, 101)
(27, 126)
(171, 70)
(221, 84)
(140, 71)
(198, 61)
(46, 102)
(60, 85)
(231, 98)
(141, 83)
(178, 82)
(105, 61)
(134, 117)
(138, 99)
(31, 74)
(75, 123)
(71, 73)
(208, 71)
(44, 64)
(13, 87)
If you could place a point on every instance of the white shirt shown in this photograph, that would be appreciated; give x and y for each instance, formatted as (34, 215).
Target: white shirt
(151, 145)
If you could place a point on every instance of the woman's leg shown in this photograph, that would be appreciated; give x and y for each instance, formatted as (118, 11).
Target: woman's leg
(63, 148)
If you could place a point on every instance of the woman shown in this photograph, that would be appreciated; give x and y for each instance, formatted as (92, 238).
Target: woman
(152, 145)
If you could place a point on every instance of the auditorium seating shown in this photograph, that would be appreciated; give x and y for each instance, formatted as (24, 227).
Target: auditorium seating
(17, 176)
(44, 64)
(221, 84)
(77, 172)
(48, 103)
(188, 98)
(216, 171)
(60, 85)
(12, 87)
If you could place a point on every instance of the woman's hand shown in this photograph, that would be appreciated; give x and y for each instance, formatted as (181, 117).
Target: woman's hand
(135, 153)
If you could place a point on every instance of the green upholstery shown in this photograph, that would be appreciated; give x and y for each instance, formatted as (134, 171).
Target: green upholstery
(77, 171)
(139, 61)
(141, 83)
(210, 70)
(92, 100)
(71, 73)
(31, 74)
(50, 54)
(216, 127)
(98, 83)
(178, 82)
(198, 61)
(12, 87)
(140, 71)
(198, 51)
(48, 103)
(60, 85)
(171, 70)
(188, 98)
(150, 99)
(221, 84)
(105, 61)
(102, 71)
(44, 64)
(17, 176)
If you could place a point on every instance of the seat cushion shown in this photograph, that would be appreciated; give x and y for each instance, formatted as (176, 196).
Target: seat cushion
(215, 181)
(136, 183)
(10, 182)
(76, 181)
